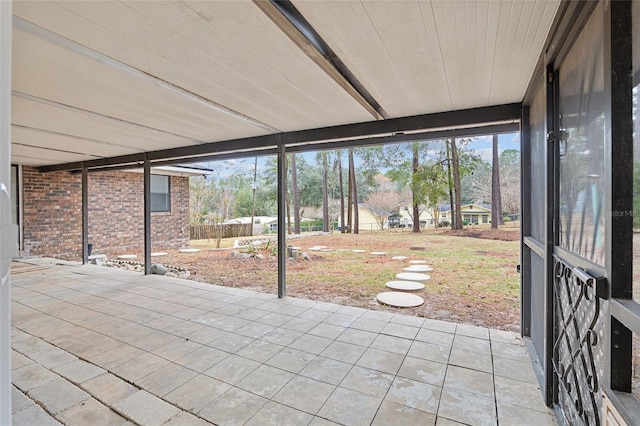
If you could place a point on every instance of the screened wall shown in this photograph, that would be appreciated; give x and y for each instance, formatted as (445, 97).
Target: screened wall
(581, 188)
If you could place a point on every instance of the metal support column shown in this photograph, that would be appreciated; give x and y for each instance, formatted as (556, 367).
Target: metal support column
(8, 232)
(282, 220)
(85, 215)
(147, 216)
(525, 224)
(551, 235)
(618, 111)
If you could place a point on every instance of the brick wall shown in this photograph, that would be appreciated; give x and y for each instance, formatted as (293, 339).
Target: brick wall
(53, 214)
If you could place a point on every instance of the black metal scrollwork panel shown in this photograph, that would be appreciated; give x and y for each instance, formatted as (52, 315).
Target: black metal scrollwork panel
(578, 348)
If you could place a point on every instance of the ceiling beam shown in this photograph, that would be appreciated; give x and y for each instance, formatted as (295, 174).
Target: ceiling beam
(506, 113)
(463, 123)
(280, 13)
(68, 44)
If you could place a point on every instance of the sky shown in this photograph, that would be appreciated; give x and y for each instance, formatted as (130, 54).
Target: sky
(483, 146)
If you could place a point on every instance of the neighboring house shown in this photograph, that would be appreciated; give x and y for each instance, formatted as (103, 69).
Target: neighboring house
(49, 210)
(426, 219)
(367, 220)
(471, 213)
(261, 224)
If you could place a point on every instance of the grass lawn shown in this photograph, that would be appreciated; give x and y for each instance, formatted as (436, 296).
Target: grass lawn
(474, 278)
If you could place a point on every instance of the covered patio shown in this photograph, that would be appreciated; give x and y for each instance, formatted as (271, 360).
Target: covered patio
(91, 87)
(95, 345)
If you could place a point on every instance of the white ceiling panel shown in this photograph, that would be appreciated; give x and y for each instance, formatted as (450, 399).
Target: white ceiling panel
(57, 74)
(228, 52)
(100, 79)
(83, 124)
(90, 148)
(431, 56)
(45, 156)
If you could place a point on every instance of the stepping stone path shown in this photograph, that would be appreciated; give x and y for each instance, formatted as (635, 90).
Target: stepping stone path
(407, 281)
(189, 250)
(400, 300)
(378, 253)
(359, 251)
(159, 253)
(413, 276)
(405, 285)
(418, 268)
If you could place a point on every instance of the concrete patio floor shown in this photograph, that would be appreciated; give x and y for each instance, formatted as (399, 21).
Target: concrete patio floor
(95, 345)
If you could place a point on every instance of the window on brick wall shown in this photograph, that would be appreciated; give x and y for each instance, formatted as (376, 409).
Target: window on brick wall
(160, 194)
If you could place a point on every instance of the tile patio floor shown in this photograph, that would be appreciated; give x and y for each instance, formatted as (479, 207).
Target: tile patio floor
(94, 345)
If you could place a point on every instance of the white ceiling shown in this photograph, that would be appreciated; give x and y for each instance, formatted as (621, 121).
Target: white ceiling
(100, 79)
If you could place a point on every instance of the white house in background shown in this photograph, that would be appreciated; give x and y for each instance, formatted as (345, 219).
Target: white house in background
(262, 224)
(426, 219)
(471, 213)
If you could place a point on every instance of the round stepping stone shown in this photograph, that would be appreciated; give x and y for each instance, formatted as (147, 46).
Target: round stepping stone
(400, 300)
(399, 257)
(418, 268)
(128, 256)
(359, 251)
(412, 276)
(405, 285)
(159, 253)
(378, 253)
(315, 248)
(418, 262)
(189, 250)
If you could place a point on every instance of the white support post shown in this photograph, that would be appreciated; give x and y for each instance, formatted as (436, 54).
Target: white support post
(8, 232)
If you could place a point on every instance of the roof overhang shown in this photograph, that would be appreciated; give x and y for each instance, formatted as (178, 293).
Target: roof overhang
(179, 171)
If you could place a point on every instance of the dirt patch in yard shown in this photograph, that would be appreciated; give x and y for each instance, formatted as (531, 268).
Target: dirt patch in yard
(474, 279)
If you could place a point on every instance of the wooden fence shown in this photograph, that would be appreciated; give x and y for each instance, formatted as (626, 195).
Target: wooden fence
(204, 232)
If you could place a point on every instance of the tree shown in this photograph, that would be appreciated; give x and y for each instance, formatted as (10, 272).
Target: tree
(510, 180)
(199, 199)
(325, 193)
(435, 188)
(457, 214)
(212, 202)
(354, 192)
(295, 195)
(476, 186)
(420, 167)
(338, 165)
(496, 198)
(383, 201)
(415, 186)
(450, 184)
